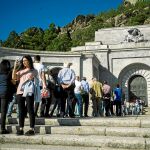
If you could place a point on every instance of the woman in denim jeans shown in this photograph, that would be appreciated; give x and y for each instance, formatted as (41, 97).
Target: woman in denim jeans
(77, 91)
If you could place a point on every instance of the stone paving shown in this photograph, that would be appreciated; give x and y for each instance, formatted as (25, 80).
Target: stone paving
(129, 132)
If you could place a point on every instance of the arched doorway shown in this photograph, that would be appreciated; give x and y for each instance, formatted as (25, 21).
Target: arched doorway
(138, 88)
(134, 76)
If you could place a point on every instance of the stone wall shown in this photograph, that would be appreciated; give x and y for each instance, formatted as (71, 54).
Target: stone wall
(117, 35)
(133, 1)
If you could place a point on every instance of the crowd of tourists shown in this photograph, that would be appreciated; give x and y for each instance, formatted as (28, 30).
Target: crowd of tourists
(36, 93)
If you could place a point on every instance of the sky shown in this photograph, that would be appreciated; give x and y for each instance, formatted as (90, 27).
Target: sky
(19, 15)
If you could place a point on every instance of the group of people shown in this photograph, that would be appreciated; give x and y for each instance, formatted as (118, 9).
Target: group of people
(104, 98)
(29, 78)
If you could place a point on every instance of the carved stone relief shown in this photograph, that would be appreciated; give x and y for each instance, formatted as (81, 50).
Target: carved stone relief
(134, 35)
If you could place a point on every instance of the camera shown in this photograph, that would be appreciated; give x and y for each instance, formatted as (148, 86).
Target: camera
(18, 59)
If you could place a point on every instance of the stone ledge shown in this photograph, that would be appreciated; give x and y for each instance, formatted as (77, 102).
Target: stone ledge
(127, 121)
(10, 146)
(87, 130)
(78, 140)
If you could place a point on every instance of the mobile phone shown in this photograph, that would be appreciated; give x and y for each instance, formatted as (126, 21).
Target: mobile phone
(19, 58)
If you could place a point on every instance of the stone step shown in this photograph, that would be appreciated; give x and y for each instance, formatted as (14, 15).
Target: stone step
(99, 121)
(147, 110)
(39, 129)
(138, 143)
(87, 130)
(103, 131)
(10, 146)
(51, 147)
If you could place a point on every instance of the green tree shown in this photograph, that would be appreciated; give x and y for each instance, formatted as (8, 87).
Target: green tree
(137, 20)
(83, 35)
(61, 43)
(1, 42)
(12, 40)
(32, 38)
(50, 34)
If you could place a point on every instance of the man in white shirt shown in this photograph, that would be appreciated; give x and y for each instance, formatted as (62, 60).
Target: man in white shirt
(41, 76)
(85, 95)
(66, 79)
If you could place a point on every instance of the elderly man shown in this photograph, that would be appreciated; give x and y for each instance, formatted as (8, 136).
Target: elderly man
(66, 78)
(106, 97)
(96, 92)
(85, 95)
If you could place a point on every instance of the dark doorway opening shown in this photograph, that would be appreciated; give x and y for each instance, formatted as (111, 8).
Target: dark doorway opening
(138, 88)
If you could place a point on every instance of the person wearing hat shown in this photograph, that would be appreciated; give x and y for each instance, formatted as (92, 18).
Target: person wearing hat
(66, 79)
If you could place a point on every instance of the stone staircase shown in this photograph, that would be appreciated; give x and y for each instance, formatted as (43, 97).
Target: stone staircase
(101, 133)
(147, 110)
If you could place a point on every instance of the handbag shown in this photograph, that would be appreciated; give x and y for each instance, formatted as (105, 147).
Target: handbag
(45, 93)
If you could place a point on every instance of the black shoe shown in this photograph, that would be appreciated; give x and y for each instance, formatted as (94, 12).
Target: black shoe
(48, 116)
(20, 132)
(65, 116)
(95, 115)
(72, 116)
(42, 116)
(30, 132)
(107, 115)
(57, 115)
(36, 116)
(86, 116)
(5, 131)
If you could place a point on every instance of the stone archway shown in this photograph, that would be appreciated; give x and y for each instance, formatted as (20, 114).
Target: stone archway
(137, 88)
(131, 71)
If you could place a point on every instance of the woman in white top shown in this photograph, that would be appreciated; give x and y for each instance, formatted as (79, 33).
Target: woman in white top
(77, 91)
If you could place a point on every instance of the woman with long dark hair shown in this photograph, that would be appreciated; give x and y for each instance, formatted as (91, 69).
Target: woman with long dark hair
(26, 73)
(5, 80)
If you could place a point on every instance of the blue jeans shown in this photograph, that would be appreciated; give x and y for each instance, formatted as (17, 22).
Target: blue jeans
(79, 103)
(101, 104)
(10, 107)
(76, 112)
